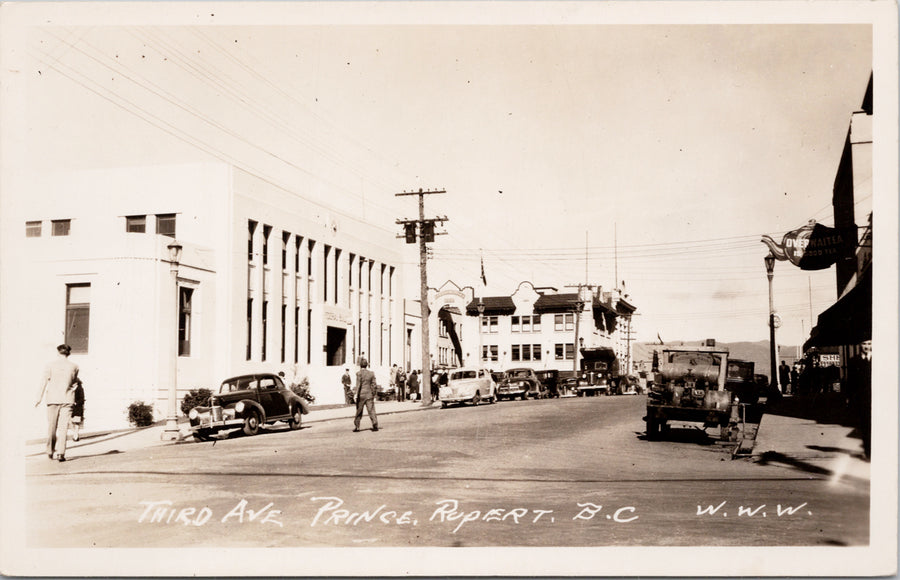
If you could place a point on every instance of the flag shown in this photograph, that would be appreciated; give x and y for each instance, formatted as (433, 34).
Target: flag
(483, 279)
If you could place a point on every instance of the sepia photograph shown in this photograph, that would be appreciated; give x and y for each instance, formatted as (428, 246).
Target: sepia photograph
(449, 288)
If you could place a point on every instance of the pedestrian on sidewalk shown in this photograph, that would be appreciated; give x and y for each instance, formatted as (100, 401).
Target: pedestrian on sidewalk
(58, 382)
(784, 377)
(414, 385)
(859, 379)
(348, 387)
(365, 396)
(78, 411)
(401, 385)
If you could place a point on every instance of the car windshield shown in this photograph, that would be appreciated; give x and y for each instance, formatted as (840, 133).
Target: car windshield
(238, 384)
(524, 374)
(462, 375)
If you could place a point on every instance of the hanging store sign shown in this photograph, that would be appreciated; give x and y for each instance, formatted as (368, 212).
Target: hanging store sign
(812, 247)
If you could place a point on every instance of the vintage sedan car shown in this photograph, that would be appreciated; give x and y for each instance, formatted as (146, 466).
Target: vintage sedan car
(468, 386)
(550, 379)
(247, 402)
(522, 383)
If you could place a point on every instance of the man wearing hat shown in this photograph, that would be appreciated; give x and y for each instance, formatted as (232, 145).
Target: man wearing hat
(59, 382)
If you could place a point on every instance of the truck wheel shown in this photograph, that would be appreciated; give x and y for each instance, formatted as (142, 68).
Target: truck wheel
(652, 429)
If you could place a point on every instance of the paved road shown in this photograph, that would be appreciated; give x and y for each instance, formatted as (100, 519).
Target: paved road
(570, 472)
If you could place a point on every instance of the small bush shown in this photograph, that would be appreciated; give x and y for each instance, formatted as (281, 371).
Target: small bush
(301, 387)
(140, 414)
(195, 398)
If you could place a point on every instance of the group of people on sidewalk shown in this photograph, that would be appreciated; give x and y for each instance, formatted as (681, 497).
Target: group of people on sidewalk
(809, 378)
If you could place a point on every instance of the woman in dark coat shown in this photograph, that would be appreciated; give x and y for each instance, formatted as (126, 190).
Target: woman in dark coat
(78, 411)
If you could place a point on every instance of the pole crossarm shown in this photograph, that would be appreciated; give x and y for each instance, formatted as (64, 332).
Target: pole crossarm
(421, 230)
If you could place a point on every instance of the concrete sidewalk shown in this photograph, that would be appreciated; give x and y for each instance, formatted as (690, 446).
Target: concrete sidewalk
(97, 443)
(819, 445)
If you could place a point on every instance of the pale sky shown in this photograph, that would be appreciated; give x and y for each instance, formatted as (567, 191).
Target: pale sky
(658, 152)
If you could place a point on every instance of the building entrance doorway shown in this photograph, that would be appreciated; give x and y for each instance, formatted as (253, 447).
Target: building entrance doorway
(336, 346)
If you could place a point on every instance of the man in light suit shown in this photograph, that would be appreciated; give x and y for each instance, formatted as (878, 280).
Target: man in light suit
(365, 396)
(59, 381)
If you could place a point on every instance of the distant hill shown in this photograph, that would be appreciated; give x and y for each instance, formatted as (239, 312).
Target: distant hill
(758, 352)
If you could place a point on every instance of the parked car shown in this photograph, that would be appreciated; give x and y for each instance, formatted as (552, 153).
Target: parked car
(521, 383)
(468, 386)
(247, 402)
(550, 379)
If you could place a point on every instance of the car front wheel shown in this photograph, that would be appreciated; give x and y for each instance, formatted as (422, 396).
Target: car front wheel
(476, 399)
(251, 423)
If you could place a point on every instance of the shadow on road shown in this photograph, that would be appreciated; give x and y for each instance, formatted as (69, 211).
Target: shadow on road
(693, 435)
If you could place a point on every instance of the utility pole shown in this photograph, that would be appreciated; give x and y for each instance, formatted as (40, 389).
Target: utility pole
(426, 234)
(579, 309)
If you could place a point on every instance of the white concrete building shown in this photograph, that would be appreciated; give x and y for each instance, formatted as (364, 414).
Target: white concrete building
(268, 279)
(535, 327)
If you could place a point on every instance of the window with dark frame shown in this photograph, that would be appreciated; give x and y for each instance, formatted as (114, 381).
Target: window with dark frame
(78, 316)
(136, 224)
(60, 227)
(249, 328)
(558, 320)
(251, 229)
(298, 243)
(165, 224)
(185, 299)
(266, 231)
(265, 327)
(33, 229)
(535, 352)
(283, 331)
(285, 238)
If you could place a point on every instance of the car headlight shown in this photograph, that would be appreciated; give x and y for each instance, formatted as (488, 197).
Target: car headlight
(193, 414)
(239, 407)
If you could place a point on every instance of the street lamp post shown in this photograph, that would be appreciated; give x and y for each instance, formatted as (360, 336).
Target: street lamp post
(171, 431)
(480, 307)
(770, 272)
(579, 308)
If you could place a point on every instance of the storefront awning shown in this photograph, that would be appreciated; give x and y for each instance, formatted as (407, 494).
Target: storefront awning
(847, 321)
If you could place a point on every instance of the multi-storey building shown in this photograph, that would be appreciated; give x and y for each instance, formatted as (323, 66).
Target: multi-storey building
(537, 327)
(267, 280)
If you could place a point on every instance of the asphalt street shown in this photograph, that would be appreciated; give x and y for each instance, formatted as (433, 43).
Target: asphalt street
(565, 472)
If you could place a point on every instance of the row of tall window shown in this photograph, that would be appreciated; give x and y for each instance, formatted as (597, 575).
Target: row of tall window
(528, 352)
(329, 284)
(531, 323)
(526, 323)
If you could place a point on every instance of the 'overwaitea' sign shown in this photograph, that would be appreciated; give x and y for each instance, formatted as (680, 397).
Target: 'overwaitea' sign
(812, 247)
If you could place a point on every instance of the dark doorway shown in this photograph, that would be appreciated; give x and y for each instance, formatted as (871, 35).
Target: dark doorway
(335, 348)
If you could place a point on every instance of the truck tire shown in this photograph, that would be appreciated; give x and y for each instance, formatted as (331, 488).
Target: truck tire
(653, 429)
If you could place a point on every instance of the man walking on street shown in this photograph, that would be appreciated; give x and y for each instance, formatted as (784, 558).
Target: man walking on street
(348, 391)
(365, 396)
(59, 381)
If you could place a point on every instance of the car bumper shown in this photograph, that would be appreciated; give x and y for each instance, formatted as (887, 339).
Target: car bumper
(215, 419)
